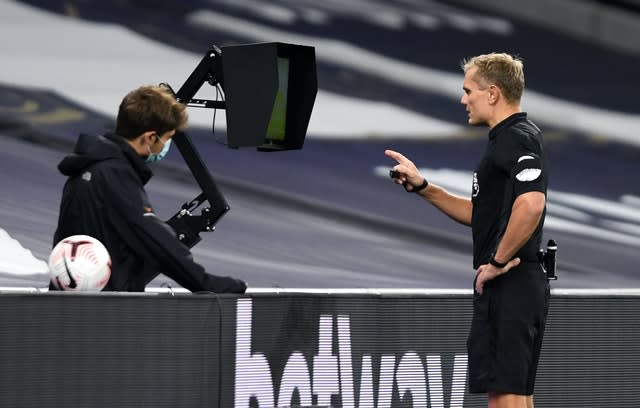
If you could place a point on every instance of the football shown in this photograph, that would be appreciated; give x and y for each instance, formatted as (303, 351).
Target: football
(80, 263)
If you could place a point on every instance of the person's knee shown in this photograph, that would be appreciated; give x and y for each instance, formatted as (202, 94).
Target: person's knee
(530, 401)
(504, 400)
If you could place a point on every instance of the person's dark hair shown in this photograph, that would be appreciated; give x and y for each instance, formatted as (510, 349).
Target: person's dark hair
(150, 108)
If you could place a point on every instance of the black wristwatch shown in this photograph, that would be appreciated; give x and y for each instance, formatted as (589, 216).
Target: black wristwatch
(496, 263)
(422, 186)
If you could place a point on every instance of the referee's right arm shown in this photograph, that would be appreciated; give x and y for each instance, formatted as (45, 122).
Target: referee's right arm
(457, 208)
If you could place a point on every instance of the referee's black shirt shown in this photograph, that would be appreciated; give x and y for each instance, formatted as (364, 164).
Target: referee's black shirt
(512, 165)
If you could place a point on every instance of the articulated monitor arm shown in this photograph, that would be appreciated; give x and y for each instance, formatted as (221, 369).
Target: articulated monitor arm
(186, 224)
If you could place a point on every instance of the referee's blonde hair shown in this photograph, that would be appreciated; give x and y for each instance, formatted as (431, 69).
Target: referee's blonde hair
(500, 69)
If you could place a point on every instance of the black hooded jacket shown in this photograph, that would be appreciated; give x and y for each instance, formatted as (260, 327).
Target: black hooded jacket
(104, 197)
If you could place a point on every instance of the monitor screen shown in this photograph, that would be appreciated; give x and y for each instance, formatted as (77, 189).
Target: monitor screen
(276, 130)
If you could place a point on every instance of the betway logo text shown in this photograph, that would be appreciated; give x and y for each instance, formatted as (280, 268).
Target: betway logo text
(329, 374)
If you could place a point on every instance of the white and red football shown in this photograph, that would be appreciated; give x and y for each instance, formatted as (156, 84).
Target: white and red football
(80, 263)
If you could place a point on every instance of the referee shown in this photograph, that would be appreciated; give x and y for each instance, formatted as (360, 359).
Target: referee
(506, 213)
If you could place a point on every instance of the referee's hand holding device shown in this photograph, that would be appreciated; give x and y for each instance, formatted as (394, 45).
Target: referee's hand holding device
(406, 173)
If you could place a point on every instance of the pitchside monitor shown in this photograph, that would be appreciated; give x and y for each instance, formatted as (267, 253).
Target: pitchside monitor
(270, 89)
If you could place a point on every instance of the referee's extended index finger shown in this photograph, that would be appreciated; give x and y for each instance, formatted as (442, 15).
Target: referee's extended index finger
(399, 157)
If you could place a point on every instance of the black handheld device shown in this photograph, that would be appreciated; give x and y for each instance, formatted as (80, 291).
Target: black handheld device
(548, 259)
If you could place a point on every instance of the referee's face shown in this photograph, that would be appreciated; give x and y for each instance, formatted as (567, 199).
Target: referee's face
(475, 98)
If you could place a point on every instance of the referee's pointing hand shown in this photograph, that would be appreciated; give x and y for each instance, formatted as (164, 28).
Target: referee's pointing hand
(408, 172)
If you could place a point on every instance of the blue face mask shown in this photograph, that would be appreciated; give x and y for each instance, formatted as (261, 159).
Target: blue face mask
(154, 157)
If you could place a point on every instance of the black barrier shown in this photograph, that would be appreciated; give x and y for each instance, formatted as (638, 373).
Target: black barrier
(350, 351)
(73, 350)
(286, 350)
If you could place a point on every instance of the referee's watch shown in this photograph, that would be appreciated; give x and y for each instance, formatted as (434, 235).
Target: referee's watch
(419, 188)
(497, 264)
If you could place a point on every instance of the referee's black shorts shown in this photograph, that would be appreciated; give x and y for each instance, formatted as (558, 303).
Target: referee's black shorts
(506, 331)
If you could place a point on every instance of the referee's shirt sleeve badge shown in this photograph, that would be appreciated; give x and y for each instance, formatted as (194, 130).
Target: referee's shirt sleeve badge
(528, 168)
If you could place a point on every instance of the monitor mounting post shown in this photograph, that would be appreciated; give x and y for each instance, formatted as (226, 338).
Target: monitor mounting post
(186, 224)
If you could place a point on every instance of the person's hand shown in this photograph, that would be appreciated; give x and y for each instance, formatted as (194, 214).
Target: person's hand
(487, 272)
(408, 174)
(225, 284)
(240, 287)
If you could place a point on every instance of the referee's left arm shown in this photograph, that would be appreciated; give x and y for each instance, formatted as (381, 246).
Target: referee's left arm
(526, 213)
